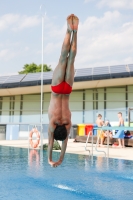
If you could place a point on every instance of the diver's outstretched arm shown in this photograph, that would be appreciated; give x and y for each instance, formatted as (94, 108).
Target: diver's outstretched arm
(63, 150)
(50, 147)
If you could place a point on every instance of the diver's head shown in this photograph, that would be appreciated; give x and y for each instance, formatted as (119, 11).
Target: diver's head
(60, 132)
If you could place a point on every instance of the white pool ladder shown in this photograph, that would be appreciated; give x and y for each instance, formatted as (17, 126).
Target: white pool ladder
(96, 143)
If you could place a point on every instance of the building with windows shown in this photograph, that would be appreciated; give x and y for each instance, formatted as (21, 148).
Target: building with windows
(105, 90)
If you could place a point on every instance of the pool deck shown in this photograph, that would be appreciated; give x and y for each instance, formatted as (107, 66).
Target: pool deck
(79, 148)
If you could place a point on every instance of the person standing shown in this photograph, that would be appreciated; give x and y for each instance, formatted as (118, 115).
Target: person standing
(120, 134)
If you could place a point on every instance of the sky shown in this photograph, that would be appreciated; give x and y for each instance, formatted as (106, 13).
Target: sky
(105, 35)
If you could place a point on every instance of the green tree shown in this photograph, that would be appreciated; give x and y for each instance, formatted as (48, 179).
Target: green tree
(33, 68)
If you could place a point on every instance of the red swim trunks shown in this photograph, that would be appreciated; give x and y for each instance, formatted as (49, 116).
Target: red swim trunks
(62, 88)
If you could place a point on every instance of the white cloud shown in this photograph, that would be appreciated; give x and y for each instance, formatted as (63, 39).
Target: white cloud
(117, 4)
(51, 47)
(26, 22)
(104, 41)
(7, 20)
(26, 48)
(3, 53)
(87, 1)
(18, 22)
(128, 60)
(101, 41)
(7, 54)
(125, 25)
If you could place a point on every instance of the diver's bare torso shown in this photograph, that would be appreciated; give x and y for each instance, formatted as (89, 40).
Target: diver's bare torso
(58, 111)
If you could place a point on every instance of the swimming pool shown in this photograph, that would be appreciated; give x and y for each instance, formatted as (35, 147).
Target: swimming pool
(26, 175)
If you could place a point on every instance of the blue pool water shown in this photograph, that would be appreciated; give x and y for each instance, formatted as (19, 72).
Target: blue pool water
(25, 174)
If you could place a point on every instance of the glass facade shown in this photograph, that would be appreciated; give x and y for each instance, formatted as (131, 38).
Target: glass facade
(84, 105)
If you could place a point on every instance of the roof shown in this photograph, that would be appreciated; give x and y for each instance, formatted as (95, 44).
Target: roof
(84, 74)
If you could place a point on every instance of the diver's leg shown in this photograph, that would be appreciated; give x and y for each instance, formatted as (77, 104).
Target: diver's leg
(60, 70)
(69, 77)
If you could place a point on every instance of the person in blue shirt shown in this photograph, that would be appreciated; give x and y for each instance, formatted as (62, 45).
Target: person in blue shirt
(120, 134)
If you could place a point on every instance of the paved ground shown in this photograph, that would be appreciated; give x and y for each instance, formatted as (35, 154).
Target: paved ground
(79, 148)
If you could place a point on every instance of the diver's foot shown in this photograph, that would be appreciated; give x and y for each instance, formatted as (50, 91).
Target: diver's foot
(75, 23)
(70, 22)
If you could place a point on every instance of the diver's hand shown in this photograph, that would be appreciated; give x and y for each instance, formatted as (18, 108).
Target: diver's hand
(51, 163)
(55, 164)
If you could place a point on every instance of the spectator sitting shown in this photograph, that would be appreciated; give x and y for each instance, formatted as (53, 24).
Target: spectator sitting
(107, 123)
(102, 134)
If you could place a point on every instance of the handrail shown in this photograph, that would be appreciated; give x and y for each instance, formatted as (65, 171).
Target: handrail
(92, 144)
(114, 128)
(87, 142)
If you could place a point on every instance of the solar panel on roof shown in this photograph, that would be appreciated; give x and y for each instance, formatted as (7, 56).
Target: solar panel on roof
(118, 69)
(83, 72)
(47, 75)
(100, 70)
(3, 79)
(32, 77)
(131, 67)
(15, 78)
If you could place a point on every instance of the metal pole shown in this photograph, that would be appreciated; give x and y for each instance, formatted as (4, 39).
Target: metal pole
(108, 144)
(128, 116)
(42, 83)
(92, 142)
